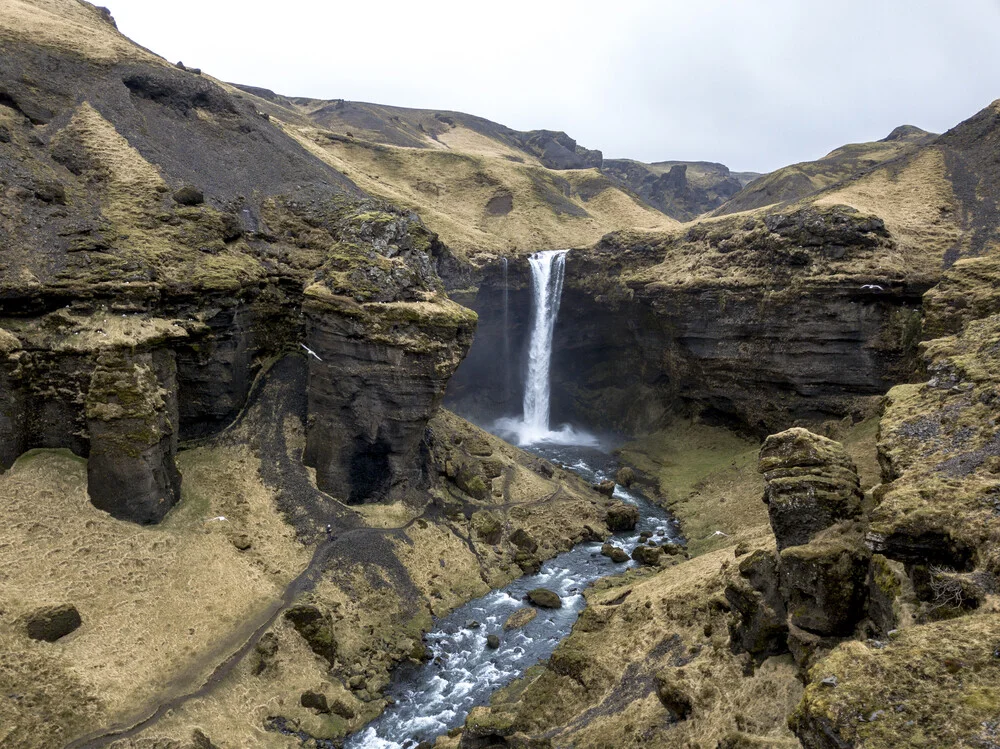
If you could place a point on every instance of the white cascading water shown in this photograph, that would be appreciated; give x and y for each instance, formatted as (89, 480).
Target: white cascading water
(507, 378)
(548, 269)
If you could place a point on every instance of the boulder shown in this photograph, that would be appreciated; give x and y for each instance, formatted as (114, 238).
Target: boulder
(607, 488)
(492, 641)
(484, 726)
(824, 583)
(189, 195)
(757, 625)
(263, 653)
(673, 695)
(616, 554)
(519, 618)
(625, 476)
(342, 707)
(487, 526)
(622, 517)
(545, 598)
(314, 701)
(52, 622)
(315, 628)
(471, 482)
(492, 468)
(648, 555)
(811, 484)
(523, 541)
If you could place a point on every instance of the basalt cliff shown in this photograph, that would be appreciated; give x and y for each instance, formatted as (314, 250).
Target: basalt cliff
(233, 503)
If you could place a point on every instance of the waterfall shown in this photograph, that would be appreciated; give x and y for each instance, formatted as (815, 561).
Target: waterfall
(547, 272)
(507, 372)
(548, 269)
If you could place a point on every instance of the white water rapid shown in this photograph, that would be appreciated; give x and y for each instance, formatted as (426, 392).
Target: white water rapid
(548, 269)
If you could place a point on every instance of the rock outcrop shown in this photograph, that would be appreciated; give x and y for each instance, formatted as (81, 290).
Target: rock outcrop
(141, 289)
(815, 587)
(811, 485)
(756, 321)
(682, 190)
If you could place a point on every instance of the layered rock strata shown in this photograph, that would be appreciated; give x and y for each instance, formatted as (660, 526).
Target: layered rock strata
(815, 587)
(162, 242)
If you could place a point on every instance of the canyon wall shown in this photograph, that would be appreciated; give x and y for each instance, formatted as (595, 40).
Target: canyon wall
(161, 242)
(638, 340)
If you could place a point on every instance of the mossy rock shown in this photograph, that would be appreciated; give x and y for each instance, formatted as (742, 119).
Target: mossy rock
(622, 517)
(470, 482)
(315, 628)
(487, 526)
(520, 618)
(545, 598)
(648, 555)
(674, 694)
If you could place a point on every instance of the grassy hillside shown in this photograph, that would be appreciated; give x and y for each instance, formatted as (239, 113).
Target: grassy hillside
(842, 164)
(482, 187)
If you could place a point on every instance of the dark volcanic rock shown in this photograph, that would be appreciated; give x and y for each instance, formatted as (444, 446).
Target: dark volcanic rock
(648, 555)
(811, 485)
(52, 622)
(758, 626)
(315, 628)
(667, 186)
(545, 598)
(622, 517)
(315, 701)
(189, 195)
(370, 411)
(616, 554)
(521, 539)
(131, 413)
(824, 583)
(556, 150)
(673, 695)
(607, 488)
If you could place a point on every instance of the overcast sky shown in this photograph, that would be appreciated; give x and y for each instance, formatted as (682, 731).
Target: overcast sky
(752, 84)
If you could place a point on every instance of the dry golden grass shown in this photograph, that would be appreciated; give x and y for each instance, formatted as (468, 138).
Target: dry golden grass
(464, 140)
(69, 26)
(918, 206)
(160, 605)
(450, 189)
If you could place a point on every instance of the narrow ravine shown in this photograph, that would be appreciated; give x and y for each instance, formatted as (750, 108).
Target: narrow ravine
(463, 671)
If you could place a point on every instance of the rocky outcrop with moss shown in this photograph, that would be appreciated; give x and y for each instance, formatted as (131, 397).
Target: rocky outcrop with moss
(682, 190)
(161, 241)
(756, 321)
(934, 526)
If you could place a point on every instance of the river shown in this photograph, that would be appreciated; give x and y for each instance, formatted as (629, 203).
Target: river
(463, 671)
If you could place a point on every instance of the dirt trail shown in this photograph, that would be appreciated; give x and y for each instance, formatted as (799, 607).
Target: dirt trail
(278, 392)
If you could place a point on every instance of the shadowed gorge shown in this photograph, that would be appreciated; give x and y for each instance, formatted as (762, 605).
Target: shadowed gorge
(338, 424)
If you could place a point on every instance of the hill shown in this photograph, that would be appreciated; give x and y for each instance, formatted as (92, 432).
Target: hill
(840, 165)
(483, 187)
